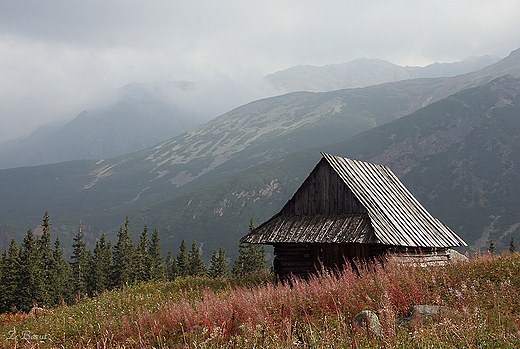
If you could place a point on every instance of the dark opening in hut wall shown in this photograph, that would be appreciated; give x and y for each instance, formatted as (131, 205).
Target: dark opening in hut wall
(323, 192)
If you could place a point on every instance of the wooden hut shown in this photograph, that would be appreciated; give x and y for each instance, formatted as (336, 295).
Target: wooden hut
(348, 209)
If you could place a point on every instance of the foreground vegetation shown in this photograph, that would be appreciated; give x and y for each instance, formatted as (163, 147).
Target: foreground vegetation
(198, 312)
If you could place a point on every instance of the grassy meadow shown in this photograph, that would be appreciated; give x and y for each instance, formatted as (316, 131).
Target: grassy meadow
(255, 312)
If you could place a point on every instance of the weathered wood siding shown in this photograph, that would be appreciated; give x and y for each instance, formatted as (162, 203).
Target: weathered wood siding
(297, 259)
(304, 259)
(323, 192)
(423, 256)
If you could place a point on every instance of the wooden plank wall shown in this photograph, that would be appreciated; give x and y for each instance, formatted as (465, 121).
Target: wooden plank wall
(297, 259)
(323, 192)
(304, 259)
(422, 257)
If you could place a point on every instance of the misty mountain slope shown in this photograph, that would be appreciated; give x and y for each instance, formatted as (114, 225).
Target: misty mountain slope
(365, 72)
(102, 192)
(311, 119)
(14, 149)
(144, 115)
(459, 157)
(139, 117)
(467, 65)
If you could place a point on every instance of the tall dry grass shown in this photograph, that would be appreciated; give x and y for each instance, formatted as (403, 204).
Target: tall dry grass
(483, 294)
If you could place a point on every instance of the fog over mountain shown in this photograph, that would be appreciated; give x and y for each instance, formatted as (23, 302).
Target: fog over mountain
(129, 119)
(59, 58)
(139, 115)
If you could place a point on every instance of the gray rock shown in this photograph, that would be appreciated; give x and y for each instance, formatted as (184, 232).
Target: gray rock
(423, 314)
(369, 321)
(456, 256)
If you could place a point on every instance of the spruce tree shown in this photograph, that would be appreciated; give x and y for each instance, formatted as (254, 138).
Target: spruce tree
(240, 266)
(492, 247)
(156, 261)
(142, 259)
(80, 264)
(123, 257)
(10, 277)
(101, 263)
(31, 286)
(171, 267)
(512, 245)
(182, 261)
(251, 257)
(218, 264)
(251, 225)
(48, 264)
(212, 265)
(257, 259)
(61, 276)
(197, 266)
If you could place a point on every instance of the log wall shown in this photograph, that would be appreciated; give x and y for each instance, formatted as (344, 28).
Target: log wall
(304, 259)
(323, 192)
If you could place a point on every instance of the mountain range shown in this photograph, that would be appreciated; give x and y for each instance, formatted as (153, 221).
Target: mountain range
(363, 72)
(142, 115)
(208, 183)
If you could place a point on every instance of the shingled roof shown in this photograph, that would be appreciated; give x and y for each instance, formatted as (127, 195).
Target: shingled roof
(391, 214)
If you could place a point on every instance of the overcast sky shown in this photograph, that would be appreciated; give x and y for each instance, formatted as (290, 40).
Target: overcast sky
(59, 57)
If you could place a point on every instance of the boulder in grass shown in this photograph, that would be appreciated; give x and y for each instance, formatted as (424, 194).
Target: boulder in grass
(456, 256)
(423, 314)
(369, 321)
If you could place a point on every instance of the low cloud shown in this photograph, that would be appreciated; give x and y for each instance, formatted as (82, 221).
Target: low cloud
(58, 58)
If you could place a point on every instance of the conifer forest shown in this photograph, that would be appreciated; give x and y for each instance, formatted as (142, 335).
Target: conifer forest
(35, 272)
